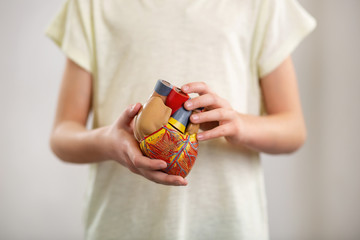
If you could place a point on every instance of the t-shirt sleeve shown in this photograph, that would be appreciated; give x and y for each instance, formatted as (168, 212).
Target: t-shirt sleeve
(71, 31)
(284, 24)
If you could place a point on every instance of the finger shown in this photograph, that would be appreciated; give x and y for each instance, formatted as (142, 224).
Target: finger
(196, 87)
(164, 178)
(128, 115)
(220, 131)
(215, 115)
(209, 101)
(135, 109)
(148, 164)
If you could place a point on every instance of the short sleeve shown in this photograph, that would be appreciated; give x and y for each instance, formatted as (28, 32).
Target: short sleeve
(283, 25)
(71, 31)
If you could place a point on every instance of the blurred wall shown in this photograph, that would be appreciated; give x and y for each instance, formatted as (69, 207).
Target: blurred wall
(315, 193)
(312, 194)
(40, 197)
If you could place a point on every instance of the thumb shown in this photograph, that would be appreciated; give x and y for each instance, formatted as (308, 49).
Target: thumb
(128, 115)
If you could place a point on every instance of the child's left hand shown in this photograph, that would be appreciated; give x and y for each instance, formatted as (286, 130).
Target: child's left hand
(219, 114)
(281, 130)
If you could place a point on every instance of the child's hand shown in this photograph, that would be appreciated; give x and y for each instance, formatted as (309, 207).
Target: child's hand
(125, 150)
(219, 119)
(281, 130)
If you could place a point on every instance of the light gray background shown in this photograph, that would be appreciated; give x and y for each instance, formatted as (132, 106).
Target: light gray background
(312, 194)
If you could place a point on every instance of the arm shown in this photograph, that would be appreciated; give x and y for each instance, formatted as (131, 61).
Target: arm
(72, 142)
(281, 131)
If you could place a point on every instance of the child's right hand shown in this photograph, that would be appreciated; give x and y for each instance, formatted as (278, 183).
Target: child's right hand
(72, 142)
(123, 148)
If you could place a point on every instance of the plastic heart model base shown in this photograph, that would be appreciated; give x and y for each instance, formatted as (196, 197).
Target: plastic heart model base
(164, 132)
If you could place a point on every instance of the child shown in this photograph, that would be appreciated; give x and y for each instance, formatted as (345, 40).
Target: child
(234, 53)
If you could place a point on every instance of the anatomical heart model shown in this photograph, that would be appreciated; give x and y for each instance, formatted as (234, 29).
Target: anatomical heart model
(163, 129)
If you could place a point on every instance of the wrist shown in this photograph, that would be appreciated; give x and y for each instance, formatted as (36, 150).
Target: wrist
(97, 143)
(240, 131)
(113, 143)
(243, 129)
(105, 143)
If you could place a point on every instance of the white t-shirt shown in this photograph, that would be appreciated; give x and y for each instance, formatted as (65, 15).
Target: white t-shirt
(128, 46)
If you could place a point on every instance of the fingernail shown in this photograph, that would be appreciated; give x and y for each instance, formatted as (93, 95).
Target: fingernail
(188, 104)
(185, 88)
(162, 165)
(195, 117)
(178, 183)
(200, 136)
(132, 107)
